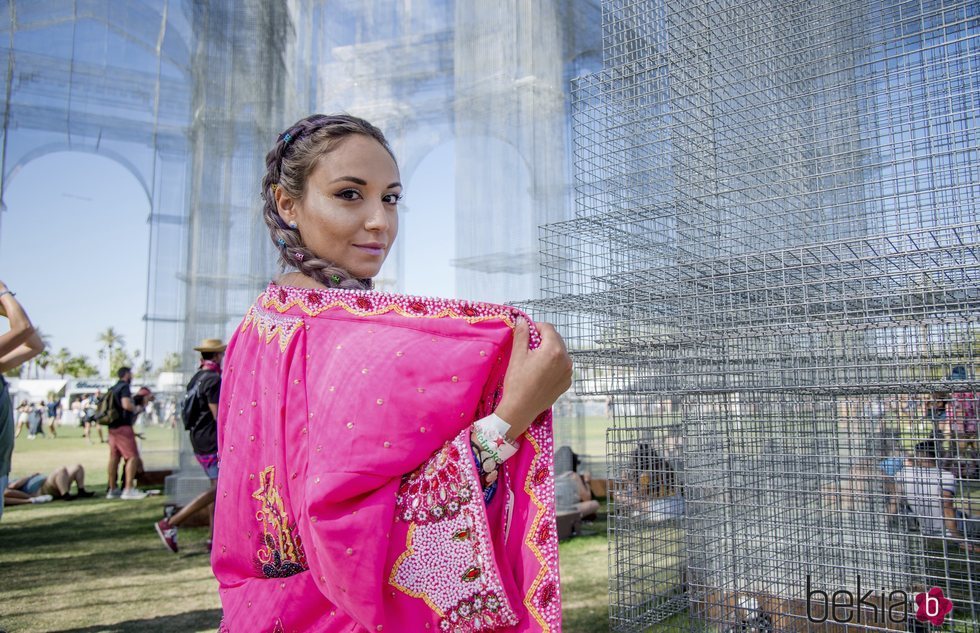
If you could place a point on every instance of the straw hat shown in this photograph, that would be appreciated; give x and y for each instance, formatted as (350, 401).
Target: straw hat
(211, 345)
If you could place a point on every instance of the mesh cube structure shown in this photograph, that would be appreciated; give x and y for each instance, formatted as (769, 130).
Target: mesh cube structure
(774, 274)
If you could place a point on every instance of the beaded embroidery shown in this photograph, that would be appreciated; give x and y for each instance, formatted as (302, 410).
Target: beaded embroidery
(434, 491)
(268, 325)
(282, 553)
(371, 303)
(541, 599)
(447, 525)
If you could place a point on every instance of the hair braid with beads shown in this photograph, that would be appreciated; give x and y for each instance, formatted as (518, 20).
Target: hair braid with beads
(289, 165)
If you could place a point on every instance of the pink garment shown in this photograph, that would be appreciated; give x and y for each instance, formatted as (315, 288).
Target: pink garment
(348, 497)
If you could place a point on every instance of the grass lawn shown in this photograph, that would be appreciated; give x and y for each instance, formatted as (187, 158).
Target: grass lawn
(92, 565)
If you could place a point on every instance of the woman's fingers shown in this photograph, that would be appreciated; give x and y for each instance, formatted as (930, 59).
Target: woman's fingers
(535, 378)
(522, 334)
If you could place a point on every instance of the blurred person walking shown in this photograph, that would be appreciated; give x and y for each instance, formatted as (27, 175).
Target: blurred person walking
(35, 420)
(200, 413)
(23, 416)
(87, 411)
(54, 415)
(18, 345)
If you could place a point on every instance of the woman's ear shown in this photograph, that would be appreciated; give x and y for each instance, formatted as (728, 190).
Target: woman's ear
(285, 205)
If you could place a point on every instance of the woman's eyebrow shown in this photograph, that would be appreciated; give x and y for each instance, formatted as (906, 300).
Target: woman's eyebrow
(353, 179)
(361, 181)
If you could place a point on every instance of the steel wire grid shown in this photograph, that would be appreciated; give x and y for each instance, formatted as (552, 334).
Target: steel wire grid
(774, 272)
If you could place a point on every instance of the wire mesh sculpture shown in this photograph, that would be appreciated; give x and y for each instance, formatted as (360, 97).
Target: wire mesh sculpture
(775, 276)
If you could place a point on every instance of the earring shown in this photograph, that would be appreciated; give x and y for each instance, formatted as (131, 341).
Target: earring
(292, 225)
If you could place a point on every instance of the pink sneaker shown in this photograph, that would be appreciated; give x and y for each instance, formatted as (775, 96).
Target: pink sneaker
(167, 534)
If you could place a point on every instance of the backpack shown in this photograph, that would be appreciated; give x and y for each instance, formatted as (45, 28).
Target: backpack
(189, 411)
(106, 411)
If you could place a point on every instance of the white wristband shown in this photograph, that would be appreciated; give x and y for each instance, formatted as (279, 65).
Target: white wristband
(492, 434)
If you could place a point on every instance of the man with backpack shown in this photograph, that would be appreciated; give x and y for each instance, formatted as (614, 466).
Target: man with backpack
(199, 411)
(117, 410)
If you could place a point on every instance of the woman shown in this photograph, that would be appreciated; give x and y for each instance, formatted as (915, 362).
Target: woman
(18, 345)
(386, 461)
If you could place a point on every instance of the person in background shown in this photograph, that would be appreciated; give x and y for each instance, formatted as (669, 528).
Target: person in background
(57, 485)
(203, 392)
(122, 440)
(929, 491)
(17, 345)
(35, 420)
(23, 417)
(87, 409)
(54, 415)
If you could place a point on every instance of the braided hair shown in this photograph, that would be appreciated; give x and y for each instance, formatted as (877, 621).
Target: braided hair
(289, 165)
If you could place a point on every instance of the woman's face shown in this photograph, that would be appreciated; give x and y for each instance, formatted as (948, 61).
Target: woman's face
(349, 212)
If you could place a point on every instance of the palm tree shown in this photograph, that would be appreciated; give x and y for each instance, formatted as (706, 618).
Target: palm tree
(109, 339)
(171, 362)
(42, 361)
(61, 360)
(79, 367)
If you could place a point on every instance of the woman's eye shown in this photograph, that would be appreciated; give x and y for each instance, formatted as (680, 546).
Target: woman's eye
(392, 198)
(349, 194)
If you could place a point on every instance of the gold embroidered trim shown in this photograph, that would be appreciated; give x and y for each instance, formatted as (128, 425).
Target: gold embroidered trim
(268, 326)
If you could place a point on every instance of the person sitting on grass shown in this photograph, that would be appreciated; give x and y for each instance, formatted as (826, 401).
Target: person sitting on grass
(56, 486)
(929, 491)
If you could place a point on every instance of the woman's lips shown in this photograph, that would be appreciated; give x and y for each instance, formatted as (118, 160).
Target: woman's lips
(371, 249)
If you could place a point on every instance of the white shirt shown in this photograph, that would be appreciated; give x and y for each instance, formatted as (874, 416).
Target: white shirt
(923, 488)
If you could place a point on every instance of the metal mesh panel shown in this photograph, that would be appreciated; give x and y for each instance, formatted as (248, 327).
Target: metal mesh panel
(774, 273)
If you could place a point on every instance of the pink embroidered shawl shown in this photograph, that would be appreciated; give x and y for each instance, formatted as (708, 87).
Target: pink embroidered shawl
(348, 497)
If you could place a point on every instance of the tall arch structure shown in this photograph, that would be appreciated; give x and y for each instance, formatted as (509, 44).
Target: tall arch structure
(188, 97)
(86, 77)
(167, 90)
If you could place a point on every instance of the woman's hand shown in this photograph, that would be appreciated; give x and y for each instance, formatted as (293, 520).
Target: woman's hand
(535, 378)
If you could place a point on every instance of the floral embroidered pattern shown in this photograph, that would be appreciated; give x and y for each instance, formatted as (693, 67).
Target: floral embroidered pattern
(282, 553)
(268, 326)
(434, 491)
(370, 303)
(448, 546)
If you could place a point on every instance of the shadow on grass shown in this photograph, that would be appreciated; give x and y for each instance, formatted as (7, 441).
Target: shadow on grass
(191, 621)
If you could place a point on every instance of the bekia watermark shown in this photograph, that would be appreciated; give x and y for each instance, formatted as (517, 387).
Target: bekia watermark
(847, 607)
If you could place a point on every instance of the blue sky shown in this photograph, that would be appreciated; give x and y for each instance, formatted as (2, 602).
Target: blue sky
(74, 239)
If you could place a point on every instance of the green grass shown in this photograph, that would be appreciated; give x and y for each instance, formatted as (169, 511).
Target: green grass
(92, 566)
